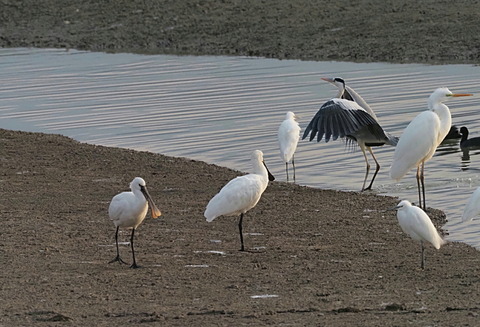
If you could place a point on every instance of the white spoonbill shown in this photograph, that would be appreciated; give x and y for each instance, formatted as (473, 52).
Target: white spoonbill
(472, 209)
(128, 209)
(288, 136)
(421, 138)
(241, 193)
(416, 223)
(348, 115)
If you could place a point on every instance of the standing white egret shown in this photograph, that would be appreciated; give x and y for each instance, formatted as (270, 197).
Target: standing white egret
(128, 209)
(241, 193)
(416, 223)
(288, 136)
(472, 209)
(421, 138)
(348, 115)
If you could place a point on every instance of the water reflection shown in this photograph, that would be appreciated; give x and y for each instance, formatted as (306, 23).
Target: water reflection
(468, 145)
(216, 109)
(466, 158)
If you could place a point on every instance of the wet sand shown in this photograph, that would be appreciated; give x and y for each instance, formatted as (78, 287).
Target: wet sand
(321, 257)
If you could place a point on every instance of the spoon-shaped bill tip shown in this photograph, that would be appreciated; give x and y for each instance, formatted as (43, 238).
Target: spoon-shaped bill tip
(155, 211)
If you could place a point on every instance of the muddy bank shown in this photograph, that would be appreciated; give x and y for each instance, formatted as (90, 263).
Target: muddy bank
(324, 257)
(424, 31)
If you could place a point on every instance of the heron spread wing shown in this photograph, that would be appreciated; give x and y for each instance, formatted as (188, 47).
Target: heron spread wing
(339, 118)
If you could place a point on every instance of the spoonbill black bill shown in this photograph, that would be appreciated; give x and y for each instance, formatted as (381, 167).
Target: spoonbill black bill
(128, 209)
(421, 138)
(241, 193)
(348, 115)
(416, 224)
(288, 136)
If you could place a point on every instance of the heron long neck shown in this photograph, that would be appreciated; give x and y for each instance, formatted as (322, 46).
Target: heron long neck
(445, 119)
(341, 91)
(360, 101)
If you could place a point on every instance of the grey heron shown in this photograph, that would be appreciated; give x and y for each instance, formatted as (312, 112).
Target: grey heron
(348, 115)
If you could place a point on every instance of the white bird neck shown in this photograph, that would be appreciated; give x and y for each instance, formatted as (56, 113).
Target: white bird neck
(138, 193)
(341, 90)
(445, 119)
(260, 169)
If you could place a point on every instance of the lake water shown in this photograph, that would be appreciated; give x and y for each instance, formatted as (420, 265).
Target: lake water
(219, 109)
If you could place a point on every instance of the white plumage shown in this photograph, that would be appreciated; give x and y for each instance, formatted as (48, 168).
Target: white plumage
(288, 136)
(241, 193)
(128, 210)
(416, 223)
(472, 209)
(421, 138)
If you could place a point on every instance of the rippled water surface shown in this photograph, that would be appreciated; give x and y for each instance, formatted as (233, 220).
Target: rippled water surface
(218, 109)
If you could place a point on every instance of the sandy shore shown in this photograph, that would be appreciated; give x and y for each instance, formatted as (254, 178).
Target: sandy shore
(332, 258)
(320, 257)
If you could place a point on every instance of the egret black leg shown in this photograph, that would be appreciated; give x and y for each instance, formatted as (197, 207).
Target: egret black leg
(134, 264)
(423, 186)
(117, 258)
(241, 232)
(293, 164)
(376, 169)
(286, 169)
(419, 188)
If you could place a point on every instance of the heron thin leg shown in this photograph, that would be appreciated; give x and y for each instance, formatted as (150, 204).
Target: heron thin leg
(362, 147)
(418, 186)
(286, 169)
(117, 258)
(241, 232)
(293, 164)
(134, 264)
(422, 265)
(423, 186)
(376, 169)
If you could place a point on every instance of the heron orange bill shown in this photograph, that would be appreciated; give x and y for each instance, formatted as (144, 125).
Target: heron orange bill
(461, 95)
